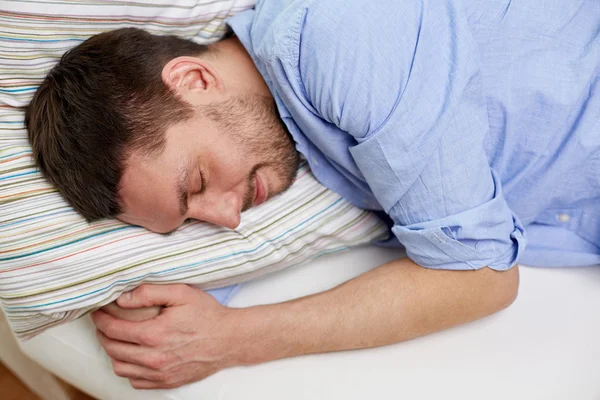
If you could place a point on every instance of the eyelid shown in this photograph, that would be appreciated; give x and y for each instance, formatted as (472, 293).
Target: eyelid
(202, 182)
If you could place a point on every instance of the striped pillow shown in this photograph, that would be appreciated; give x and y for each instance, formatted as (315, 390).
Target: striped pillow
(54, 266)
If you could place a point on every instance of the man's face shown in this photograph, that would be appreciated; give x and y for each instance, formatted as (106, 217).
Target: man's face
(228, 158)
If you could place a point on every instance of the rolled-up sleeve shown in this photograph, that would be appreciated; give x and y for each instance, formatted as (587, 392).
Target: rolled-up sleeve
(419, 119)
(486, 235)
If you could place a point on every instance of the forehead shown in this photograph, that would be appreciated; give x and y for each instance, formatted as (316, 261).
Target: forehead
(149, 175)
(148, 188)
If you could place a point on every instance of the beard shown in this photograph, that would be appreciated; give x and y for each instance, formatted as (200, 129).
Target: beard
(253, 122)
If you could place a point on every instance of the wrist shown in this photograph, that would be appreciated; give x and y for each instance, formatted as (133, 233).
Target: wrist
(259, 334)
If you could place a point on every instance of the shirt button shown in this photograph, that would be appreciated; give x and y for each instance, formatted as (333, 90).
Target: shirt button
(315, 162)
(563, 218)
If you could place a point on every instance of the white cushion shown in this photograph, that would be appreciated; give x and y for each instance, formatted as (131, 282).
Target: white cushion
(545, 346)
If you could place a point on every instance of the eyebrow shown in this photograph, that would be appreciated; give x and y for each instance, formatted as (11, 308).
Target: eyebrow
(182, 188)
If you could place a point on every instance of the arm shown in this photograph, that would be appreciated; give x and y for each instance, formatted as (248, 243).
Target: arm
(194, 336)
(414, 110)
(395, 302)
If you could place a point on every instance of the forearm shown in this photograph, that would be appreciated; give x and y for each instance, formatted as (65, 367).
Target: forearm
(392, 303)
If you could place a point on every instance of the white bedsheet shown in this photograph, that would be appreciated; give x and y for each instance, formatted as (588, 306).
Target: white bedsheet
(545, 346)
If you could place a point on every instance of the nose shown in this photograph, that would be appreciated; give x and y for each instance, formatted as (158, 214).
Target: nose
(223, 210)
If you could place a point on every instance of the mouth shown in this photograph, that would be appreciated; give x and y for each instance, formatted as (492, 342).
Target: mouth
(261, 191)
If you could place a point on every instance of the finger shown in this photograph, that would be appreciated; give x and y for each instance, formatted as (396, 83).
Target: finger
(125, 331)
(168, 382)
(131, 314)
(156, 295)
(132, 353)
(132, 371)
(145, 384)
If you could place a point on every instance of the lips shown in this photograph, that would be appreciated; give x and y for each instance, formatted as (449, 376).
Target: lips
(261, 191)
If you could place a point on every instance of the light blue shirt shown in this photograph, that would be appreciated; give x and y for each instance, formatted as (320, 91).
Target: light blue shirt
(474, 125)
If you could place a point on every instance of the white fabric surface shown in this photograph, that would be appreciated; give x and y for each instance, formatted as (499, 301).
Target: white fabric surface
(545, 346)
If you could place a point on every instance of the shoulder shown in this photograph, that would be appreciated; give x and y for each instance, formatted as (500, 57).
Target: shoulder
(355, 57)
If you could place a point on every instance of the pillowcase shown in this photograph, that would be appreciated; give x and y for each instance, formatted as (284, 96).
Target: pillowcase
(54, 266)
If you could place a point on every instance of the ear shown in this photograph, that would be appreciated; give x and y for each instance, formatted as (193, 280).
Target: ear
(186, 75)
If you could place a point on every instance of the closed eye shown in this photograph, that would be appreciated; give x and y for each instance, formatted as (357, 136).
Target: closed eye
(201, 183)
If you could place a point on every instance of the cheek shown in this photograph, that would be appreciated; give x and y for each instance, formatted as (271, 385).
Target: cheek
(229, 169)
(165, 224)
(157, 225)
(135, 220)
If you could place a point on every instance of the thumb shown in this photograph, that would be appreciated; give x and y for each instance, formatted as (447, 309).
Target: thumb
(154, 295)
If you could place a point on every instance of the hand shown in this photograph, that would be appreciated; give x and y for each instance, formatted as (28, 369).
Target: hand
(192, 337)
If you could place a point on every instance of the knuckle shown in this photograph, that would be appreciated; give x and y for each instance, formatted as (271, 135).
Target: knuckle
(142, 291)
(183, 287)
(165, 362)
(161, 377)
(110, 351)
(183, 290)
(120, 373)
(149, 339)
(110, 330)
(156, 362)
(118, 368)
(135, 384)
(170, 382)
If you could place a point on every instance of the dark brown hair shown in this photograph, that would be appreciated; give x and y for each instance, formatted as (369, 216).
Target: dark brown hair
(104, 99)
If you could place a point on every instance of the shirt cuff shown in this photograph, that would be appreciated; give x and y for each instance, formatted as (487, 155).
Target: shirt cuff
(488, 235)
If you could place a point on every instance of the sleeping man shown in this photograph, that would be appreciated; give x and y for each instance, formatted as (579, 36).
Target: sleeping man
(471, 129)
